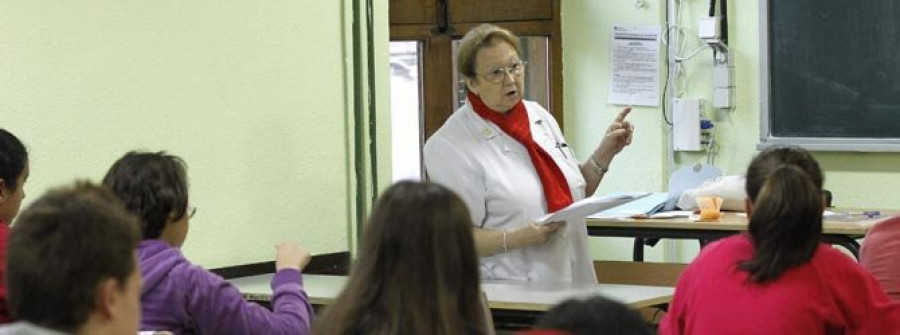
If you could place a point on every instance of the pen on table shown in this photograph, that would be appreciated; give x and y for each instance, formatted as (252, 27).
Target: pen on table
(868, 214)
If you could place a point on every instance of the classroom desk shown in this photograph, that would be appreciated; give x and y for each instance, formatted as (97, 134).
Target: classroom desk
(843, 232)
(510, 299)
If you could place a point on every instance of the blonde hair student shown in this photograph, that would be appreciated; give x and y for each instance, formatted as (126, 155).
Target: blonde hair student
(417, 271)
(779, 278)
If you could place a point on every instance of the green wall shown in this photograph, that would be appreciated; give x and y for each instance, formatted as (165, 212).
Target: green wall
(258, 99)
(856, 179)
(255, 96)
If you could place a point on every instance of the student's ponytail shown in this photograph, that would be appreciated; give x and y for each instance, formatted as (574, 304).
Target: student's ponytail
(785, 186)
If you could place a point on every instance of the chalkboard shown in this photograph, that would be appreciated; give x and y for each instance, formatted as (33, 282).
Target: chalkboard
(831, 74)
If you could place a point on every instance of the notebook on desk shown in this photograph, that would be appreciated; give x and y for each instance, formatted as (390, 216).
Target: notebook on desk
(648, 205)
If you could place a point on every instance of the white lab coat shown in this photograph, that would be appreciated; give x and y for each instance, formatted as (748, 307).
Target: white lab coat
(493, 174)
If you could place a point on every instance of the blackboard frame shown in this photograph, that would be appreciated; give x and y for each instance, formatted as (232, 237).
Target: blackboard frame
(767, 139)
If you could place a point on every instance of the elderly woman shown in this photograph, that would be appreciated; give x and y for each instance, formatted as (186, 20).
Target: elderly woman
(507, 158)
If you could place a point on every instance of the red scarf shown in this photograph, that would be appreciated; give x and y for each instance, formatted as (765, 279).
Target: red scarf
(515, 124)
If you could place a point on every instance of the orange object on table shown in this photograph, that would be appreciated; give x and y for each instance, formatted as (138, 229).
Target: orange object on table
(709, 207)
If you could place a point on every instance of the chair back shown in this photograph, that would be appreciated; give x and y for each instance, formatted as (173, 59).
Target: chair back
(638, 273)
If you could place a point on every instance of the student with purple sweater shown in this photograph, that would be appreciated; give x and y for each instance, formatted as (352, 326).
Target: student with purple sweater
(183, 298)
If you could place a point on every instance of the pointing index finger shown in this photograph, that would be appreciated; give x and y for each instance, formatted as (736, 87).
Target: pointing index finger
(621, 117)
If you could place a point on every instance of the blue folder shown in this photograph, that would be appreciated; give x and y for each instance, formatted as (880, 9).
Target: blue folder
(648, 205)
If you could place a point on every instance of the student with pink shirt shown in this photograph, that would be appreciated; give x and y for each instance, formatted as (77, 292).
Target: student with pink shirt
(779, 278)
(880, 252)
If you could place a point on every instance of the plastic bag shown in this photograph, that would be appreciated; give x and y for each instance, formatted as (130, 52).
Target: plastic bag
(729, 188)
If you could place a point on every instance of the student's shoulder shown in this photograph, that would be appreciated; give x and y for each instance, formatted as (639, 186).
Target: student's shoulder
(737, 246)
(25, 328)
(198, 275)
(719, 256)
(829, 259)
(722, 255)
(180, 271)
(840, 269)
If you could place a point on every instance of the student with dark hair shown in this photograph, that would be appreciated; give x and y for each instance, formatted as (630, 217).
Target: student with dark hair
(72, 267)
(184, 298)
(591, 316)
(779, 278)
(13, 174)
(417, 271)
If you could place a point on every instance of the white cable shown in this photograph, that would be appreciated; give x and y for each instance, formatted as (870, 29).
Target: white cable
(680, 79)
(693, 53)
(665, 38)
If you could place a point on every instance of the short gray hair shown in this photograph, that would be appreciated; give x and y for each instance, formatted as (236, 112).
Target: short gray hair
(481, 36)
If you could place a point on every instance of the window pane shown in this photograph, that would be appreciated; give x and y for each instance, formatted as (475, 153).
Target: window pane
(535, 50)
(406, 107)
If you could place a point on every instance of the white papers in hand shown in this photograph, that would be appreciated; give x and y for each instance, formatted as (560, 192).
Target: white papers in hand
(588, 206)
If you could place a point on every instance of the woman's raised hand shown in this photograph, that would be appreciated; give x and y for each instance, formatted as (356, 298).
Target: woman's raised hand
(618, 136)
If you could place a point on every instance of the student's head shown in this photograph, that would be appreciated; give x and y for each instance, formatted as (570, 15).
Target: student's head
(13, 174)
(153, 186)
(71, 263)
(594, 316)
(785, 203)
(417, 271)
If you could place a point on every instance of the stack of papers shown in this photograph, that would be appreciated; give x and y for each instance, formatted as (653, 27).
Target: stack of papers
(647, 205)
(591, 205)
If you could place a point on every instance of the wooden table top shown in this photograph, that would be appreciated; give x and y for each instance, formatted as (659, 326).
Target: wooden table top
(510, 295)
(841, 224)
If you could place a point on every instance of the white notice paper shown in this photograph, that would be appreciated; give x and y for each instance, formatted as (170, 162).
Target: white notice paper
(635, 66)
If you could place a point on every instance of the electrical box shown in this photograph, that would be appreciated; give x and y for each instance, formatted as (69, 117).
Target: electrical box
(723, 80)
(686, 124)
(722, 97)
(708, 30)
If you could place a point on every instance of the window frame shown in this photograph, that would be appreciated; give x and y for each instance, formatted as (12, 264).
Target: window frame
(409, 22)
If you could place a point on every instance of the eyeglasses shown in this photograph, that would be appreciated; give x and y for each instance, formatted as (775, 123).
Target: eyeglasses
(190, 211)
(497, 75)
